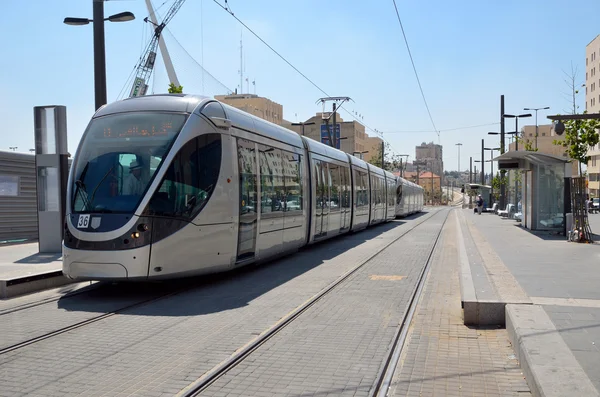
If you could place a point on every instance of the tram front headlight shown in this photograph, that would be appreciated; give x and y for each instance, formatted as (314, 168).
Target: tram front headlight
(135, 234)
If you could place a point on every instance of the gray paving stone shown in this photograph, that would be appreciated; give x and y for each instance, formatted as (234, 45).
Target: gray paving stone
(581, 333)
(354, 324)
(444, 357)
(163, 345)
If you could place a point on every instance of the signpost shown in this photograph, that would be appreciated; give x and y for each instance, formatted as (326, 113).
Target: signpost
(325, 134)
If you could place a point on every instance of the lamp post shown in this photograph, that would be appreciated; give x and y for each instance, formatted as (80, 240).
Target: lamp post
(401, 165)
(492, 164)
(459, 145)
(517, 117)
(360, 154)
(303, 124)
(536, 122)
(99, 50)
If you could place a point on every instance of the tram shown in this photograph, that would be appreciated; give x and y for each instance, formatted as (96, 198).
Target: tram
(174, 185)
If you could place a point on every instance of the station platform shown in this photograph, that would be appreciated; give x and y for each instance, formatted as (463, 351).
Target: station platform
(24, 270)
(544, 290)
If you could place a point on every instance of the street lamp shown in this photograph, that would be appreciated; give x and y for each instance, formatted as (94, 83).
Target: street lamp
(491, 149)
(99, 50)
(401, 167)
(536, 123)
(517, 145)
(303, 124)
(360, 154)
(459, 145)
(517, 117)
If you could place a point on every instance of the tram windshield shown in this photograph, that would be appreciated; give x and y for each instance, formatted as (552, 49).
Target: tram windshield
(118, 159)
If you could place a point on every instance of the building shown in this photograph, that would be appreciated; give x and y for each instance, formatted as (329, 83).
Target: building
(350, 135)
(432, 155)
(592, 105)
(255, 105)
(592, 76)
(546, 137)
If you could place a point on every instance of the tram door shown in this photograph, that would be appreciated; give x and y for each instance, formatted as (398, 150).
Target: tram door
(248, 200)
(321, 199)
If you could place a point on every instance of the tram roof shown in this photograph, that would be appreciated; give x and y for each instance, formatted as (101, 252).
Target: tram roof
(158, 102)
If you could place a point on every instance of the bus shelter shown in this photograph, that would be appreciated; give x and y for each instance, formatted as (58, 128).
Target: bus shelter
(545, 190)
(475, 189)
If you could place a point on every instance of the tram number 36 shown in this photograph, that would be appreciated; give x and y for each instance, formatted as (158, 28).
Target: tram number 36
(84, 221)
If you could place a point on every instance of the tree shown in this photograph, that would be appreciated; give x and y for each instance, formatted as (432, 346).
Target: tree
(175, 90)
(497, 182)
(392, 161)
(580, 136)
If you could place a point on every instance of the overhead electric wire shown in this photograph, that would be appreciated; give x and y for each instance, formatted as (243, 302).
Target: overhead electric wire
(445, 130)
(196, 62)
(415, 69)
(296, 69)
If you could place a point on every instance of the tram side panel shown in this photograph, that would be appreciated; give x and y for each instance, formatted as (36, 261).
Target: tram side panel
(206, 238)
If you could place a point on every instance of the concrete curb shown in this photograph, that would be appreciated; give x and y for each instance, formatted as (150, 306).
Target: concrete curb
(475, 311)
(478, 311)
(17, 286)
(548, 364)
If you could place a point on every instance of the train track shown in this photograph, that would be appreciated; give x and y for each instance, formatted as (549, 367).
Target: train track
(384, 378)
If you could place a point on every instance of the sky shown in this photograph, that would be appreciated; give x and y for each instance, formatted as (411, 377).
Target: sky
(467, 54)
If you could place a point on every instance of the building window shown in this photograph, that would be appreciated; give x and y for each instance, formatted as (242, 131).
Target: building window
(543, 134)
(594, 161)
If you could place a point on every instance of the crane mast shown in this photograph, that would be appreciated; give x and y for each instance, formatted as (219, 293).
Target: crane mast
(146, 64)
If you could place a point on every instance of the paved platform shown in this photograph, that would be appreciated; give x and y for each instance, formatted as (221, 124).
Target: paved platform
(444, 357)
(561, 279)
(23, 270)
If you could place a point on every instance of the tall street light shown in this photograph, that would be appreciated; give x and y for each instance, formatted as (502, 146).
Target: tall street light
(517, 117)
(536, 123)
(459, 145)
(491, 149)
(99, 50)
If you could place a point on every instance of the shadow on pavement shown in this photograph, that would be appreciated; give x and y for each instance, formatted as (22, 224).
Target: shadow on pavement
(223, 291)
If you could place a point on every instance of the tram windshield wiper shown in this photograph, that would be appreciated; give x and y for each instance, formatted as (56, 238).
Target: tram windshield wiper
(83, 194)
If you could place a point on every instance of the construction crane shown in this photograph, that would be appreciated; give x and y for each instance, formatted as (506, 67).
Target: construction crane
(146, 63)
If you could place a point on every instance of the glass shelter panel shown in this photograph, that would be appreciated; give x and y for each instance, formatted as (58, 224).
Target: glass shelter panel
(550, 196)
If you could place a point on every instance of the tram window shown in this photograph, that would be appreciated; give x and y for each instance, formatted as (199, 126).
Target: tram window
(334, 200)
(213, 109)
(190, 178)
(292, 181)
(271, 180)
(345, 181)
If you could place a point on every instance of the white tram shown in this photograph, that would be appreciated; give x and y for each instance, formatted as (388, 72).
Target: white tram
(167, 186)
(409, 198)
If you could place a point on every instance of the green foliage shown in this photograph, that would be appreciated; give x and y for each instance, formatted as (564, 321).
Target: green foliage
(580, 135)
(175, 90)
(497, 183)
(392, 161)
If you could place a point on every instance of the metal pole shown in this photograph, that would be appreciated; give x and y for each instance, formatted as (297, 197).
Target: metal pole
(516, 148)
(382, 155)
(482, 164)
(492, 175)
(502, 172)
(431, 167)
(334, 137)
(401, 170)
(470, 169)
(99, 54)
(536, 128)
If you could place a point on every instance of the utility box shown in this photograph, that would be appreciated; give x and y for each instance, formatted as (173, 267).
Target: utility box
(51, 166)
